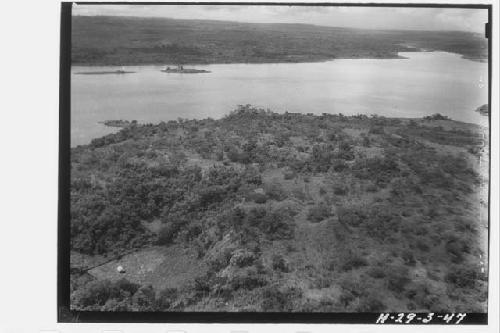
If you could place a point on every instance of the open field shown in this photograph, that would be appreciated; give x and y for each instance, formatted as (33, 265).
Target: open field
(260, 211)
(160, 267)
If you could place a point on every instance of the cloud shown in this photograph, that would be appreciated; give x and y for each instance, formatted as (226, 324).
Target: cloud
(358, 17)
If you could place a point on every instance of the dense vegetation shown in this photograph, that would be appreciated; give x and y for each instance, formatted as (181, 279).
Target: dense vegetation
(286, 212)
(105, 40)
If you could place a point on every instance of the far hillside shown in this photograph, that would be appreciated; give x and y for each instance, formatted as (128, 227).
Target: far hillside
(113, 40)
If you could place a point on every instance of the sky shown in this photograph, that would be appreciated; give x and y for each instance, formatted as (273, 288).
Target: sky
(356, 17)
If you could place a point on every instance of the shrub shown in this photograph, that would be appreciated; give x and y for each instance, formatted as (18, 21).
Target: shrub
(418, 292)
(233, 154)
(365, 141)
(167, 234)
(219, 155)
(332, 136)
(345, 298)
(202, 284)
(322, 157)
(372, 188)
(289, 174)
(376, 272)
(370, 303)
(412, 123)
(351, 288)
(259, 198)
(463, 276)
(353, 261)
(352, 216)
(261, 221)
(408, 257)
(116, 305)
(166, 298)
(330, 264)
(397, 278)
(275, 191)
(322, 191)
(380, 170)
(457, 248)
(346, 151)
(275, 225)
(97, 293)
(280, 264)
(290, 247)
(376, 130)
(144, 299)
(433, 303)
(339, 189)
(465, 226)
(353, 285)
(323, 282)
(432, 212)
(242, 258)
(248, 279)
(339, 165)
(382, 222)
(281, 139)
(275, 300)
(420, 230)
(94, 293)
(299, 194)
(475, 150)
(318, 212)
(192, 232)
(253, 177)
(99, 226)
(221, 261)
(422, 245)
(212, 195)
(127, 286)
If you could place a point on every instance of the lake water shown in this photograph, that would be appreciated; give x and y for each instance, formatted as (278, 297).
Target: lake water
(425, 83)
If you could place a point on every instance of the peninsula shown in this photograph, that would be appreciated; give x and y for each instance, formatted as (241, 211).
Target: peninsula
(261, 211)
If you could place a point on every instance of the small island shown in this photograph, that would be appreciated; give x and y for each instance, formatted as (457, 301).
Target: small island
(181, 69)
(118, 71)
(483, 110)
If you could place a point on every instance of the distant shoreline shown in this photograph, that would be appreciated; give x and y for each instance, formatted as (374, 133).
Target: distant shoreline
(284, 61)
(104, 64)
